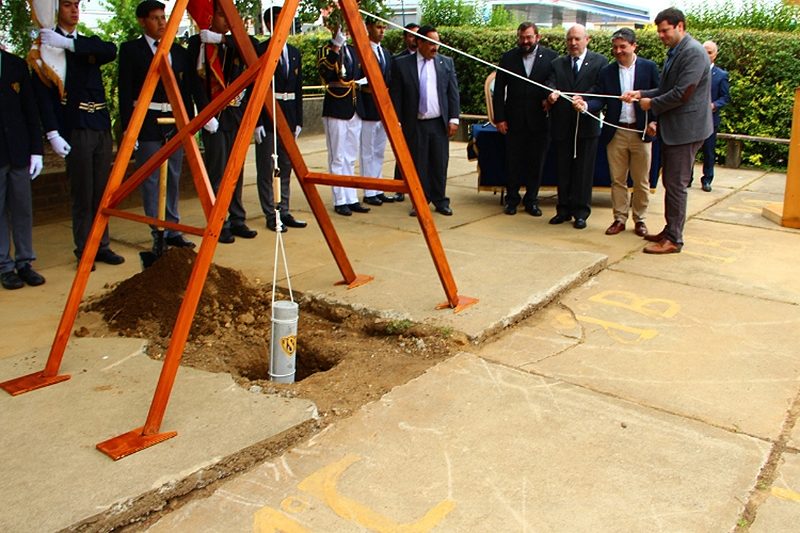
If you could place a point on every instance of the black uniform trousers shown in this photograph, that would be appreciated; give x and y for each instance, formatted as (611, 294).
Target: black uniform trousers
(88, 167)
(218, 148)
(575, 176)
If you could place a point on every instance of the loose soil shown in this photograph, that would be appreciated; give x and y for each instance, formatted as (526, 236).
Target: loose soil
(344, 358)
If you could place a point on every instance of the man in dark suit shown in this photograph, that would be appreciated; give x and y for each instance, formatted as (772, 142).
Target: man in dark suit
(684, 121)
(424, 91)
(629, 152)
(20, 162)
(339, 68)
(215, 54)
(78, 124)
(410, 41)
(576, 72)
(373, 135)
(720, 97)
(288, 90)
(134, 62)
(519, 114)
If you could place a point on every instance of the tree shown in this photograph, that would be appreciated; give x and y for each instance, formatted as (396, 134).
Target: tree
(451, 13)
(17, 27)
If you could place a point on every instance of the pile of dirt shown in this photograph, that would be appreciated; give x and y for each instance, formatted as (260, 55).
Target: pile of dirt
(344, 359)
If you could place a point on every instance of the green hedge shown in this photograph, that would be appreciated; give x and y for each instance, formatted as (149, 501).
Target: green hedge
(763, 66)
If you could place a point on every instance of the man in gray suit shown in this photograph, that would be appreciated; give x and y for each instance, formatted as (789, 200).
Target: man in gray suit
(682, 102)
(424, 91)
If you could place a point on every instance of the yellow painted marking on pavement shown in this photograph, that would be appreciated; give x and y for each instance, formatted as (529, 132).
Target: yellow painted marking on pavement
(785, 494)
(323, 484)
(292, 504)
(645, 306)
(748, 206)
(269, 520)
(615, 328)
(717, 258)
(729, 245)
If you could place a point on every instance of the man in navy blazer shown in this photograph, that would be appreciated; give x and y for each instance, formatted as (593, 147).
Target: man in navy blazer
(77, 122)
(519, 114)
(576, 151)
(720, 97)
(628, 150)
(20, 162)
(424, 92)
(288, 89)
(684, 121)
(135, 58)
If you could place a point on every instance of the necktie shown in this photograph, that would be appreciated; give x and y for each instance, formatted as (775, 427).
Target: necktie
(379, 53)
(423, 87)
(575, 67)
(285, 60)
(155, 46)
(70, 36)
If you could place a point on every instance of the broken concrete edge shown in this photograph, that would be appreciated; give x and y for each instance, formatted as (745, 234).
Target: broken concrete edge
(173, 494)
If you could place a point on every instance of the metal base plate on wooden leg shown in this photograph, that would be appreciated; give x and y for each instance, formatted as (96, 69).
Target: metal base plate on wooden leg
(34, 381)
(463, 303)
(132, 442)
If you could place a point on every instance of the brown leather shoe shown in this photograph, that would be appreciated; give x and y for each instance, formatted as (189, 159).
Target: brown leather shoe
(615, 228)
(640, 229)
(666, 246)
(655, 237)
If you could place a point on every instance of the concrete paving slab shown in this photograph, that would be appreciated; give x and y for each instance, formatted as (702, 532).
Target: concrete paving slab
(702, 354)
(733, 258)
(769, 183)
(406, 285)
(744, 208)
(54, 476)
(559, 458)
(794, 438)
(781, 510)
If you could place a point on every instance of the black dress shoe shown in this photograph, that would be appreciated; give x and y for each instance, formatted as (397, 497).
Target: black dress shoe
(445, 210)
(560, 219)
(510, 209)
(226, 237)
(273, 226)
(30, 276)
(412, 213)
(241, 230)
(343, 210)
(178, 241)
(108, 257)
(358, 208)
(385, 199)
(398, 197)
(11, 280)
(290, 222)
(579, 223)
(706, 185)
(372, 200)
(533, 210)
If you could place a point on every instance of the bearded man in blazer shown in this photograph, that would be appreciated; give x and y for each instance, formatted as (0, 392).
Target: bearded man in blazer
(135, 58)
(519, 114)
(576, 72)
(629, 152)
(424, 92)
(683, 103)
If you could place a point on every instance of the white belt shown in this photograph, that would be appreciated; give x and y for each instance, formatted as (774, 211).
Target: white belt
(285, 96)
(163, 107)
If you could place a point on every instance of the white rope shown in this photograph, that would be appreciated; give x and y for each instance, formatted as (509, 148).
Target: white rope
(566, 96)
(279, 247)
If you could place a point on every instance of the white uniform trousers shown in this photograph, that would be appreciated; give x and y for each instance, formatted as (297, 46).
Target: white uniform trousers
(342, 137)
(373, 145)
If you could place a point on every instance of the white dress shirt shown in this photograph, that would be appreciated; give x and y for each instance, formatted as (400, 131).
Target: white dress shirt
(626, 75)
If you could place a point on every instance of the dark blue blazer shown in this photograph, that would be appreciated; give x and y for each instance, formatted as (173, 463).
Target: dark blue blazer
(645, 77)
(720, 92)
(83, 84)
(287, 83)
(366, 107)
(20, 132)
(562, 117)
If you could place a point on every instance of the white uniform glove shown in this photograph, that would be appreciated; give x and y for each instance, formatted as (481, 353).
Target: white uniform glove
(136, 145)
(261, 133)
(60, 146)
(297, 131)
(338, 39)
(212, 125)
(210, 37)
(56, 40)
(36, 166)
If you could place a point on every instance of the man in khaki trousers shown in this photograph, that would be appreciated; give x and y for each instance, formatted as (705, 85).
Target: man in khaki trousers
(628, 150)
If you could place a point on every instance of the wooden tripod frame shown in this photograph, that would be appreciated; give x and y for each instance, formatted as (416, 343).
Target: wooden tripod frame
(259, 72)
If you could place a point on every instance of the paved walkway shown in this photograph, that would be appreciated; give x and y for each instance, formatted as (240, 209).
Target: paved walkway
(628, 392)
